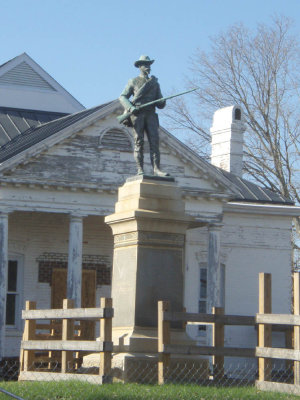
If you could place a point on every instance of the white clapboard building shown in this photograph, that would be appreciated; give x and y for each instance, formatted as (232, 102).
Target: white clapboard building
(60, 169)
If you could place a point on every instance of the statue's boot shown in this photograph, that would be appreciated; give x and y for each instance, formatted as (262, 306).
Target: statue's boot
(157, 171)
(139, 163)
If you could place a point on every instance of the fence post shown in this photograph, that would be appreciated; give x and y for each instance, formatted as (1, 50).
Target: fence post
(29, 334)
(265, 331)
(67, 334)
(105, 336)
(218, 342)
(288, 336)
(163, 338)
(296, 328)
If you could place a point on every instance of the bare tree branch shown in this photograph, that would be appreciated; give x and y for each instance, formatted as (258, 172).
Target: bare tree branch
(260, 71)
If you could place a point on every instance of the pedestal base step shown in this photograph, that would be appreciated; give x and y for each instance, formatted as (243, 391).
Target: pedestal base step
(143, 368)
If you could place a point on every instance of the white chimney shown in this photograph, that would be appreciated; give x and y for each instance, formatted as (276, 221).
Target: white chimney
(227, 139)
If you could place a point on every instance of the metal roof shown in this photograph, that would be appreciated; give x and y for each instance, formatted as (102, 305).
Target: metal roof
(36, 134)
(250, 192)
(14, 122)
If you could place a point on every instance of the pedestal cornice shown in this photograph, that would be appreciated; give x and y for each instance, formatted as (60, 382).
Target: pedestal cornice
(145, 220)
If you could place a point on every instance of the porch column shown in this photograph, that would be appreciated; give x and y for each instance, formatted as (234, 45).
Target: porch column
(214, 275)
(75, 260)
(3, 277)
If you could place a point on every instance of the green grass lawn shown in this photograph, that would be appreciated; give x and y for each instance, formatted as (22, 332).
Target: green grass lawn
(75, 390)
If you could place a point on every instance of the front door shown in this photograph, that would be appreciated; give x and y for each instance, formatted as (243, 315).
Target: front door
(88, 296)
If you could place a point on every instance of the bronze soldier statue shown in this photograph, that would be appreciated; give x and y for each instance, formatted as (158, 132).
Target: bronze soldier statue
(144, 89)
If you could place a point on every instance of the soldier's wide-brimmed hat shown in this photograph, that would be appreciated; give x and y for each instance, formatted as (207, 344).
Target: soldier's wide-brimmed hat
(143, 60)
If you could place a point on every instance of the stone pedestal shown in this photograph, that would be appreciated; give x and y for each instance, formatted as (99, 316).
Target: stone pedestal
(149, 226)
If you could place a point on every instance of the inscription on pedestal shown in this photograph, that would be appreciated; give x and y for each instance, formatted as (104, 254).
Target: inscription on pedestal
(124, 238)
(142, 238)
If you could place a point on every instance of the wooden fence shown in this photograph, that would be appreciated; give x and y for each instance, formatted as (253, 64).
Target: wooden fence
(34, 342)
(217, 350)
(68, 344)
(264, 351)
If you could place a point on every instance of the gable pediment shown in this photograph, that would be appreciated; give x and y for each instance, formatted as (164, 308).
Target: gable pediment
(102, 154)
(24, 75)
(25, 85)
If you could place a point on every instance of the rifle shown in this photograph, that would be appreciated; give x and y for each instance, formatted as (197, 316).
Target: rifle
(126, 115)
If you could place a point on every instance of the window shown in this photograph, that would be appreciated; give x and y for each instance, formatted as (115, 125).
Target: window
(202, 307)
(13, 298)
(115, 139)
(237, 114)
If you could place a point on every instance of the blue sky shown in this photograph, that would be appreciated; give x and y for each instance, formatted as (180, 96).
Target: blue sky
(89, 46)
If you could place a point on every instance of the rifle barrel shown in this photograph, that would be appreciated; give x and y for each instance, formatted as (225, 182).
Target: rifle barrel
(123, 117)
(166, 98)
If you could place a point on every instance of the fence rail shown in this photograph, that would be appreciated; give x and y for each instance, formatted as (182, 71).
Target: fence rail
(69, 345)
(278, 319)
(91, 314)
(217, 350)
(208, 351)
(193, 318)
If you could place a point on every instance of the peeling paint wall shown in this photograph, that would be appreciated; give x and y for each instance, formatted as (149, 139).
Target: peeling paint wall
(82, 159)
